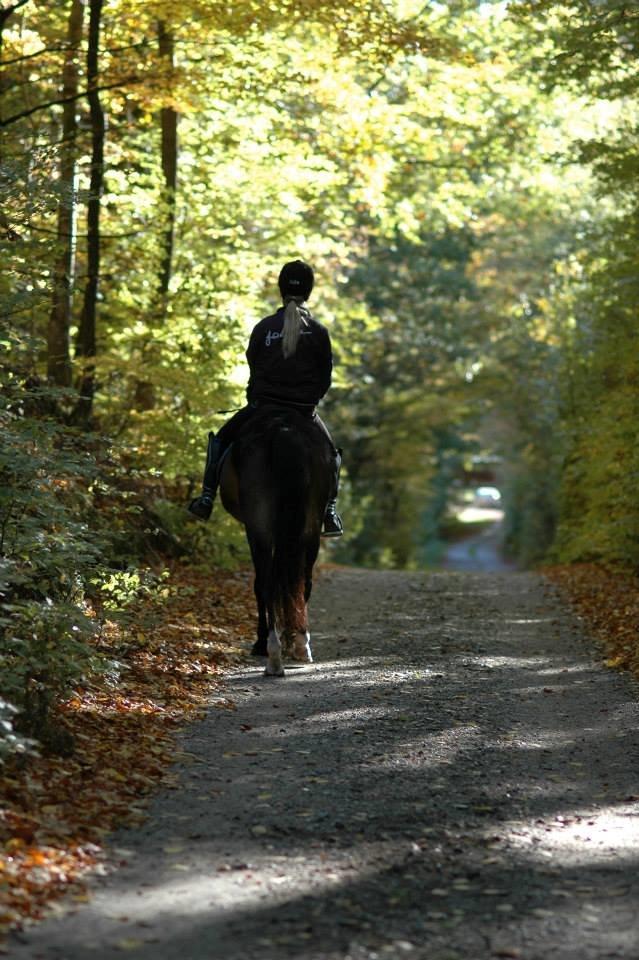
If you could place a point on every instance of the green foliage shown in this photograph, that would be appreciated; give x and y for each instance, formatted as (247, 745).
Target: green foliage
(588, 462)
(220, 542)
(12, 743)
(598, 516)
(46, 551)
(68, 533)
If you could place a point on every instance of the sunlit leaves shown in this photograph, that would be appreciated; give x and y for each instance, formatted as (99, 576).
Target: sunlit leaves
(594, 45)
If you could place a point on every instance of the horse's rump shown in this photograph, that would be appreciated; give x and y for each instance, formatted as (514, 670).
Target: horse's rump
(282, 459)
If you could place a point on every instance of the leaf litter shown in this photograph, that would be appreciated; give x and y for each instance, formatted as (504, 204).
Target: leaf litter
(606, 598)
(56, 811)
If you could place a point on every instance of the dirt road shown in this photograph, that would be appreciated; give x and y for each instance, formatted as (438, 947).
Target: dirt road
(456, 777)
(478, 552)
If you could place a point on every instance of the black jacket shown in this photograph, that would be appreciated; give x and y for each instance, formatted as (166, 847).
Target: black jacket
(303, 378)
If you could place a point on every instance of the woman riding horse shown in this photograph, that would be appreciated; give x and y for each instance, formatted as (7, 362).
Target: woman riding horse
(290, 362)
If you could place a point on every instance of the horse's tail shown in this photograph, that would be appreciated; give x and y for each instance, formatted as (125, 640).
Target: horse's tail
(291, 474)
(294, 320)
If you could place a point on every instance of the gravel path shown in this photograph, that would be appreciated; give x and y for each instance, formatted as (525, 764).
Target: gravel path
(456, 777)
(479, 552)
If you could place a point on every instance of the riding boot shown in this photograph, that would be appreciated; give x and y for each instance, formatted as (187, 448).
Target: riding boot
(201, 507)
(333, 526)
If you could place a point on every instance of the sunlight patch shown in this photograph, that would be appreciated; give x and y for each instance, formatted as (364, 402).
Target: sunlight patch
(248, 881)
(606, 835)
(513, 663)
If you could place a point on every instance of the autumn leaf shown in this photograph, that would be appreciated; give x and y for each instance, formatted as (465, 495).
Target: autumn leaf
(607, 599)
(52, 833)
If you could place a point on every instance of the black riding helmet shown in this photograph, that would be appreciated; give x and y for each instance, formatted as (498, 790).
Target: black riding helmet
(296, 279)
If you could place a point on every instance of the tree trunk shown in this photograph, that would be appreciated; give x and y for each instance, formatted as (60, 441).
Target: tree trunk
(169, 122)
(145, 398)
(86, 341)
(58, 355)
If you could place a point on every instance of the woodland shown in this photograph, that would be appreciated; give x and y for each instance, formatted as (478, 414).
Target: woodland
(463, 177)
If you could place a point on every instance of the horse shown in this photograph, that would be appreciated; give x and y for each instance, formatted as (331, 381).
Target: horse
(276, 481)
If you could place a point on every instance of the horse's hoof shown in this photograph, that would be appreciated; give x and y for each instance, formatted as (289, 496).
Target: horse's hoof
(304, 656)
(274, 673)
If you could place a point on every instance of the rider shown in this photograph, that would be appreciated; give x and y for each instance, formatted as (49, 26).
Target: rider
(290, 363)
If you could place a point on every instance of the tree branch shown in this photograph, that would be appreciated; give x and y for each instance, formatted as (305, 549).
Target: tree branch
(31, 56)
(64, 47)
(62, 100)
(5, 12)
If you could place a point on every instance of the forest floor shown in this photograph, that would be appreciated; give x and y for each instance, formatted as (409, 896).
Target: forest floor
(457, 776)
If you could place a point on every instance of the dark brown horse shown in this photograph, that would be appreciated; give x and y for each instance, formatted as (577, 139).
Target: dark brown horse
(276, 481)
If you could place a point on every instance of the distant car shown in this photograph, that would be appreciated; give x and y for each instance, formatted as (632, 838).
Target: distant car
(487, 497)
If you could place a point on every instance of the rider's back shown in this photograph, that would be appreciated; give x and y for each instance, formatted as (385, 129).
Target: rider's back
(302, 378)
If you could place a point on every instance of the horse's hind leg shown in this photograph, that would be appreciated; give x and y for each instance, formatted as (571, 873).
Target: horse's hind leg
(260, 648)
(274, 666)
(261, 558)
(268, 641)
(302, 647)
(302, 640)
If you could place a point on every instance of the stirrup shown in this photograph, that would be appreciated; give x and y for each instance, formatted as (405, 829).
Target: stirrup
(332, 526)
(201, 507)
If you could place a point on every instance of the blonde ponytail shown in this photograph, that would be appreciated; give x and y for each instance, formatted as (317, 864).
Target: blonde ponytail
(294, 320)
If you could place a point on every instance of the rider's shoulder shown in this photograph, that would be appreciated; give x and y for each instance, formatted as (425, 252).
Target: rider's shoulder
(269, 320)
(318, 326)
(312, 321)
